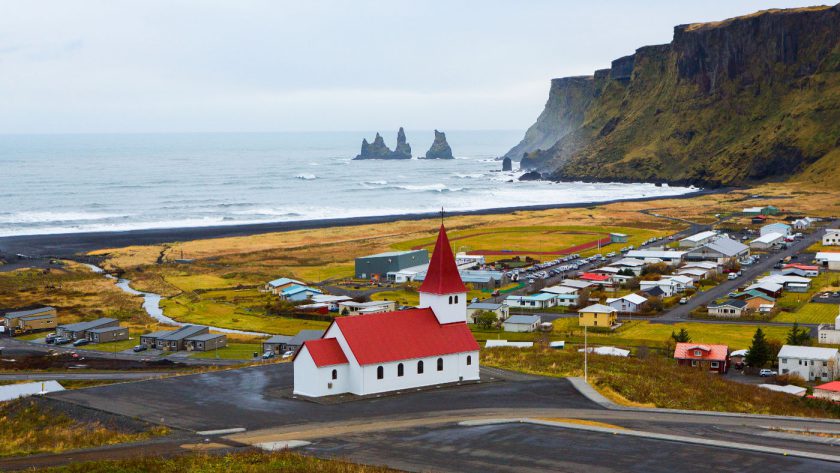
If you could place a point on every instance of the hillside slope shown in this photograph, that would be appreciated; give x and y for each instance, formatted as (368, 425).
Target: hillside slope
(726, 103)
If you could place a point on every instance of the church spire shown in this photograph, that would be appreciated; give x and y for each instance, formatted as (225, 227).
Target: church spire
(442, 276)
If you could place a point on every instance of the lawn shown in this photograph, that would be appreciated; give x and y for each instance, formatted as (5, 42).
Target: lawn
(402, 297)
(810, 313)
(657, 381)
(27, 427)
(249, 461)
(134, 339)
(234, 351)
(191, 282)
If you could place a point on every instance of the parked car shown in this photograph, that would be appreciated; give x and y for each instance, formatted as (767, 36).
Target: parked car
(80, 342)
(288, 354)
(767, 372)
(267, 355)
(50, 339)
(139, 348)
(732, 276)
(62, 341)
(684, 300)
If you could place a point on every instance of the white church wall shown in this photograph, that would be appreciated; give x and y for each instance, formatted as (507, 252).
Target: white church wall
(444, 311)
(454, 369)
(310, 380)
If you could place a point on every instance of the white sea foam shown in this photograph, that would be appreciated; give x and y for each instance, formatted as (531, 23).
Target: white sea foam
(306, 177)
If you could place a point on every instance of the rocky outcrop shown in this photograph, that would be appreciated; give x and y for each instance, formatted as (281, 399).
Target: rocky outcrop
(506, 164)
(440, 148)
(725, 103)
(378, 149)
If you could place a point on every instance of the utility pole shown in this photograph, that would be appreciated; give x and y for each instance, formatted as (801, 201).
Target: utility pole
(585, 357)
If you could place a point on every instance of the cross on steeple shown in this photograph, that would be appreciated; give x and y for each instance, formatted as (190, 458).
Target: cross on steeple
(441, 215)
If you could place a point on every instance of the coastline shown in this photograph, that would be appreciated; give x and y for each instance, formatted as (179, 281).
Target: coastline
(67, 245)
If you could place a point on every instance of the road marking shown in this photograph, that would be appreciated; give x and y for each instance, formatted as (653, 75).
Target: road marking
(283, 445)
(233, 430)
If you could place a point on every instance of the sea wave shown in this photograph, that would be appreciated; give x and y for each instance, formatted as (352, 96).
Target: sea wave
(306, 177)
(56, 217)
(477, 175)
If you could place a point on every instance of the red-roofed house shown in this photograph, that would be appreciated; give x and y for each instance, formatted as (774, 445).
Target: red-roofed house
(804, 270)
(699, 355)
(390, 351)
(830, 391)
(597, 279)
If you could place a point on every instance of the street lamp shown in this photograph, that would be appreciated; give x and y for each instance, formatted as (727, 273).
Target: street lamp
(585, 357)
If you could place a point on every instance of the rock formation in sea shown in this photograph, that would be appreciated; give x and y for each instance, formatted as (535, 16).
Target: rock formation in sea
(531, 176)
(378, 149)
(440, 148)
(506, 164)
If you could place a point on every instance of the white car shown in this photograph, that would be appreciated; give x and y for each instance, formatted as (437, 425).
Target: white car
(288, 354)
(766, 372)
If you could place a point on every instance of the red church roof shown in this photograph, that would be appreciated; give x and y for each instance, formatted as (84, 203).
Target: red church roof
(685, 351)
(442, 276)
(325, 352)
(403, 335)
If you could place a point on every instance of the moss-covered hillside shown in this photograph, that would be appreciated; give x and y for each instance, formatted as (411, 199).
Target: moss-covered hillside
(733, 102)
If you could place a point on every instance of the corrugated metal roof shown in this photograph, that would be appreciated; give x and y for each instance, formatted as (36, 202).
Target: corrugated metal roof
(523, 319)
(85, 326)
(14, 314)
(810, 353)
(325, 352)
(686, 351)
(727, 246)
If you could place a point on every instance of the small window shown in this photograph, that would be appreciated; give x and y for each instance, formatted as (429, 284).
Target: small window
(698, 353)
(440, 364)
(469, 360)
(715, 364)
(380, 372)
(334, 374)
(693, 362)
(400, 369)
(450, 299)
(456, 299)
(420, 367)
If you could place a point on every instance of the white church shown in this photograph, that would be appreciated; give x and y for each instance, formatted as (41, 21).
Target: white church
(390, 351)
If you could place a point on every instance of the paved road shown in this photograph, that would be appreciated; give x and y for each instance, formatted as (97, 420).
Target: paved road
(750, 273)
(47, 375)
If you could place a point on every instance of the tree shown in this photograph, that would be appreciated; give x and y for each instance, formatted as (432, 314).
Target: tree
(485, 318)
(798, 336)
(682, 337)
(759, 351)
(583, 297)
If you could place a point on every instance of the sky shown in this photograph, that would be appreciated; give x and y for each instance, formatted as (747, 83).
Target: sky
(115, 66)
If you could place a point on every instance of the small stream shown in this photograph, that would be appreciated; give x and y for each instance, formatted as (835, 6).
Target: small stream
(151, 304)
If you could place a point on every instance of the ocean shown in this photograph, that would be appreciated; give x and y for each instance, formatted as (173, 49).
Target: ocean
(78, 183)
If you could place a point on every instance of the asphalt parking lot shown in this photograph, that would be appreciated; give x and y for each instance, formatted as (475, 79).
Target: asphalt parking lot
(257, 397)
(526, 448)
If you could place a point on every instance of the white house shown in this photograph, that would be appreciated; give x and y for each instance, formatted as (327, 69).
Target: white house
(828, 334)
(803, 223)
(563, 295)
(502, 311)
(831, 237)
(731, 308)
(811, 363)
(521, 323)
(541, 300)
(330, 301)
(629, 304)
(698, 239)
(767, 241)
(505, 343)
(682, 282)
(696, 274)
(632, 264)
(829, 260)
(409, 349)
(782, 228)
(668, 287)
(372, 307)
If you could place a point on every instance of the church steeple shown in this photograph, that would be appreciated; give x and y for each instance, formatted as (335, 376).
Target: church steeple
(442, 289)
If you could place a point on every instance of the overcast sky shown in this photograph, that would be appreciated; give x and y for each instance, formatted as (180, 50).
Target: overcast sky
(238, 65)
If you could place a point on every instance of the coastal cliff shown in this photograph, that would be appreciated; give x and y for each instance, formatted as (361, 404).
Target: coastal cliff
(725, 103)
(440, 149)
(379, 150)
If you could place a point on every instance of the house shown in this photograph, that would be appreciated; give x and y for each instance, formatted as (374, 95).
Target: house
(187, 337)
(298, 293)
(606, 351)
(829, 334)
(522, 323)
(633, 264)
(672, 258)
(768, 210)
(578, 285)
(278, 285)
(831, 237)
(802, 270)
(719, 251)
(759, 220)
(830, 391)
(29, 320)
(730, 308)
(403, 350)
(828, 260)
(789, 282)
(772, 289)
(705, 357)
(653, 291)
(667, 286)
(698, 239)
(540, 300)
(618, 238)
(782, 228)
(682, 282)
(599, 280)
(379, 265)
(79, 330)
(696, 274)
(597, 315)
(803, 223)
(331, 301)
(767, 241)
(279, 344)
(107, 334)
(371, 307)
(629, 304)
(756, 300)
(811, 363)
(502, 311)
(564, 296)
(738, 356)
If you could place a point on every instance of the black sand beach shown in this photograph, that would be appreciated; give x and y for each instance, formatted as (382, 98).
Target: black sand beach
(67, 245)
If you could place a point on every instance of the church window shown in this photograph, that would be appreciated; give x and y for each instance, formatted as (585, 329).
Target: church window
(400, 369)
(469, 360)
(440, 364)
(456, 299)
(450, 299)
(380, 372)
(334, 374)
(420, 367)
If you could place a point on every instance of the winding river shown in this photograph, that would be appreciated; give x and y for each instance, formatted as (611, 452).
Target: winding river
(151, 304)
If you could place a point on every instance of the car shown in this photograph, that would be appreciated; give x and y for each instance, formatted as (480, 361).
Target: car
(139, 348)
(767, 372)
(288, 354)
(62, 341)
(732, 276)
(80, 342)
(50, 339)
(475, 300)
(684, 300)
(267, 355)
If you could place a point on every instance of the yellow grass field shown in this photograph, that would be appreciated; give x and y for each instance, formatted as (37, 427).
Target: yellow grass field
(811, 313)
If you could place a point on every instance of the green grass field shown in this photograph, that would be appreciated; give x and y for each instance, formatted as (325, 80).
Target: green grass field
(191, 282)
(134, 339)
(234, 351)
(810, 313)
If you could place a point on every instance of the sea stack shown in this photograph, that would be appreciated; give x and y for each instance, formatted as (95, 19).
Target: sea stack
(440, 148)
(378, 149)
(507, 165)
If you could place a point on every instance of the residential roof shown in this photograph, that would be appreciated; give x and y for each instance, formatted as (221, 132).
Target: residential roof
(523, 319)
(278, 339)
(205, 337)
(663, 255)
(158, 334)
(833, 386)
(305, 335)
(326, 298)
(804, 267)
(767, 286)
(685, 351)
(575, 283)
(443, 276)
(485, 306)
(787, 389)
(15, 314)
(736, 303)
(701, 264)
(741, 352)
(184, 332)
(768, 238)
(292, 290)
(540, 296)
(692, 271)
(680, 279)
(654, 291)
(107, 329)
(283, 282)
(597, 309)
(632, 262)
(827, 256)
(697, 237)
(505, 343)
(402, 335)
(810, 353)
(634, 298)
(607, 269)
(784, 279)
(753, 293)
(595, 277)
(727, 246)
(325, 352)
(85, 326)
(560, 290)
